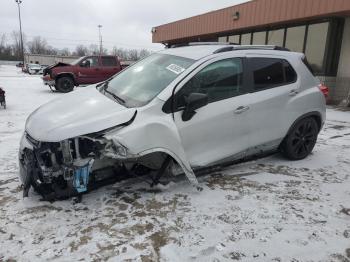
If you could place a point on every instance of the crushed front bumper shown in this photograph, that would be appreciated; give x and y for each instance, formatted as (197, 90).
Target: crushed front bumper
(48, 80)
(59, 170)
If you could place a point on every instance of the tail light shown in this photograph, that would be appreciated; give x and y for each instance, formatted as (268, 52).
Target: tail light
(324, 90)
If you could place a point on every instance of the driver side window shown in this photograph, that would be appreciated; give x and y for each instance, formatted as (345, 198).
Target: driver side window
(219, 80)
(89, 62)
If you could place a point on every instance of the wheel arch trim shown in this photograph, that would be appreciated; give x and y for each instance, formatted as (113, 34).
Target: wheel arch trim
(315, 114)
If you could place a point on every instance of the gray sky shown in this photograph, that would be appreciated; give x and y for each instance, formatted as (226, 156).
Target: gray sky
(126, 23)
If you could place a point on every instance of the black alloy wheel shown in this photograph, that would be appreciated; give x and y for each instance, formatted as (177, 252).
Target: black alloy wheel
(301, 139)
(65, 84)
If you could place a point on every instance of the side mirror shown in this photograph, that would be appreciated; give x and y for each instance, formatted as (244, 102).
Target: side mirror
(193, 102)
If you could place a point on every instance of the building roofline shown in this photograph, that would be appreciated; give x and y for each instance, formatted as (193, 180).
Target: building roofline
(252, 14)
(206, 13)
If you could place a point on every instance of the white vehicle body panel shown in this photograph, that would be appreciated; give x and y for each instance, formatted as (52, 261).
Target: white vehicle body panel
(222, 132)
(151, 132)
(77, 113)
(214, 134)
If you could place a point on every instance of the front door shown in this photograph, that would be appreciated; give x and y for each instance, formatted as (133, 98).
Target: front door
(89, 71)
(218, 130)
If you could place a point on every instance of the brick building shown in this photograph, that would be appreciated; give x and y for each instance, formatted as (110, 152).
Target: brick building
(318, 28)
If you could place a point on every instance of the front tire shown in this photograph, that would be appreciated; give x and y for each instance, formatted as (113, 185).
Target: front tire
(65, 84)
(301, 139)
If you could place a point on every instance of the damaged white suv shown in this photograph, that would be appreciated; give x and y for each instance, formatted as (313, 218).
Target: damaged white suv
(179, 110)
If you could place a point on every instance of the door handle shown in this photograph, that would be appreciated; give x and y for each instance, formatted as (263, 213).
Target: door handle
(293, 92)
(241, 109)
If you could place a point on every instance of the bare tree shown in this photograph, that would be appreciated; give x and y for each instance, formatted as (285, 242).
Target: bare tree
(6, 51)
(16, 46)
(65, 52)
(2, 43)
(104, 51)
(120, 52)
(143, 53)
(81, 50)
(51, 50)
(130, 54)
(94, 49)
(38, 46)
(133, 55)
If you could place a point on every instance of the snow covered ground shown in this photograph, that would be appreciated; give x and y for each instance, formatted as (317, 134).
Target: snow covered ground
(265, 210)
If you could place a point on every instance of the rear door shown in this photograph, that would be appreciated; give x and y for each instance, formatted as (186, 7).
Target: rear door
(89, 71)
(218, 130)
(274, 86)
(110, 66)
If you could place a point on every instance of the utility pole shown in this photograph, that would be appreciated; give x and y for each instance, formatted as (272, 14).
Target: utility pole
(20, 26)
(100, 36)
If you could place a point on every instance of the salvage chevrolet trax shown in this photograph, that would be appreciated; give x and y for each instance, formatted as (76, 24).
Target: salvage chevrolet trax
(176, 111)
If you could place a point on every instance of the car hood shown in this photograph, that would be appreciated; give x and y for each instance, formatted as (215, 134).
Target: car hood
(59, 64)
(78, 113)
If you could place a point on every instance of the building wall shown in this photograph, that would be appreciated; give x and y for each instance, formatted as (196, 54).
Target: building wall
(48, 59)
(251, 15)
(340, 86)
(344, 62)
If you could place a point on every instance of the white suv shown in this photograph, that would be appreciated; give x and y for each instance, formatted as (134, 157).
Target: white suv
(180, 109)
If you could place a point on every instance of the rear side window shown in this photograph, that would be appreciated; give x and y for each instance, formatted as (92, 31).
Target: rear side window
(291, 75)
(271, 72)
(109, 61)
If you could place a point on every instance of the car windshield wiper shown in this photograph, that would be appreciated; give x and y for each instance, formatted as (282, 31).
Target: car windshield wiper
(119, 99)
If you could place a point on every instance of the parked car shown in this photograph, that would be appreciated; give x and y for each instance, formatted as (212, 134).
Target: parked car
(181, 109)
(34, 69)
(44, 66)
(20, 64)
(84, 71)
(2, 98)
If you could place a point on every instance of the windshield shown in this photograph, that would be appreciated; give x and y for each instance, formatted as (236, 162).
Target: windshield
(75, 62)
(140, 83)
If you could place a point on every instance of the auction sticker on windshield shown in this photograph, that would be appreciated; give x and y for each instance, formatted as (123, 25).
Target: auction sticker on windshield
(175, 68)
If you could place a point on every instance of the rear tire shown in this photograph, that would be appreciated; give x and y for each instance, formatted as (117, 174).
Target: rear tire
(301, 139)
(64, 84)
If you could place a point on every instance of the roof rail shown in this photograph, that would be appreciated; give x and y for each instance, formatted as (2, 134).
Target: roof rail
(234, 47)
(208, 43)
(199, 43)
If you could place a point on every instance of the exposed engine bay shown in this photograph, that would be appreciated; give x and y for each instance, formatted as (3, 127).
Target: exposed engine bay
(58, 170)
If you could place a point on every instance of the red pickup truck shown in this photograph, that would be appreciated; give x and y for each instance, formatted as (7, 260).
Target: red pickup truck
(84, 71)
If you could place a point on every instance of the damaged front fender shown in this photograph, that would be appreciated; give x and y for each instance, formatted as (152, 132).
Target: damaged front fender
(75, 165)
(151, 136)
